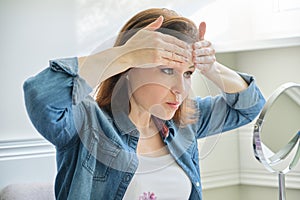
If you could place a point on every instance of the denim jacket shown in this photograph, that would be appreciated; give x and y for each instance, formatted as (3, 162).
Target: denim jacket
(96, 150)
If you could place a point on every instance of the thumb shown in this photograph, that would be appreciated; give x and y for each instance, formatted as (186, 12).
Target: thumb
(202, 29)
(156, 24)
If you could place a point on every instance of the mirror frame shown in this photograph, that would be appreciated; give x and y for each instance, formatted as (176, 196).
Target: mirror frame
(279, 156)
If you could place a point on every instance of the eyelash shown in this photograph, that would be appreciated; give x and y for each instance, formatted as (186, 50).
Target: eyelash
(170, 71)
(190, 73)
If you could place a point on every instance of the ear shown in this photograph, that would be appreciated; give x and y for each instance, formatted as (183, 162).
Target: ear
(155, 25)
(202, 29)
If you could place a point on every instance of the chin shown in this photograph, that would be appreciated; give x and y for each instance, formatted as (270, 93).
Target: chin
(162, 113)
(164, 116)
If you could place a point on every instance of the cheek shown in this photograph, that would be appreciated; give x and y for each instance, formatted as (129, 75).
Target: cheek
(149, 95)
(188, 89)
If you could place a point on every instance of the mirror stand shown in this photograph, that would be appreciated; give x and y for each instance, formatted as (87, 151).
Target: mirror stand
(281, 181)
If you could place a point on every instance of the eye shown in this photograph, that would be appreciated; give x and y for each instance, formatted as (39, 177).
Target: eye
(168, 71)
(188, 74)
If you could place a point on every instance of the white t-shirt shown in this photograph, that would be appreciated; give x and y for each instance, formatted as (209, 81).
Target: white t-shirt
(161, 177)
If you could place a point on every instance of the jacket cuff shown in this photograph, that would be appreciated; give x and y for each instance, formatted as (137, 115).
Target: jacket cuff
(65, 65)
(70, 66)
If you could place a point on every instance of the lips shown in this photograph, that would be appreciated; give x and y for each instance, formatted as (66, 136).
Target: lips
(173, 105)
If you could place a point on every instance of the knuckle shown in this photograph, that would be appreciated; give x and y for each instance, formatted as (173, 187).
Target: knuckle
(197, 52)
(206, 43)
(197, 45)
(214, 59)
(200, 59)
(213, 51)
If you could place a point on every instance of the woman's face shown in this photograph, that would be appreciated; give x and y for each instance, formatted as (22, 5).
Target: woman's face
(159, 90)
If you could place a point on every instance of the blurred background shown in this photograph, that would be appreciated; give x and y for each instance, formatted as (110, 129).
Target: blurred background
(261, 38)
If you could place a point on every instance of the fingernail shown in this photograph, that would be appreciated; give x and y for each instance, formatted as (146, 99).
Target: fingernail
(206, 43)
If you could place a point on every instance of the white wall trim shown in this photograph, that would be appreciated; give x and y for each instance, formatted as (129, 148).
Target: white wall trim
(220, 179)
(255, 177)
(20, 149)
(238, 46)
(267, 179)
(26, 161)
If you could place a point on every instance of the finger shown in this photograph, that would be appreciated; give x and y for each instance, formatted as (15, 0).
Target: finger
(177, 50)
(204, 59)
(156, 24)
(202, 30)
(170, 43)
(155, 57)
(171, 59)
(204, 52)
(201, 44)
(203, 67)
(167, 38)
(173, 63)
(173, 40)
(175, 57)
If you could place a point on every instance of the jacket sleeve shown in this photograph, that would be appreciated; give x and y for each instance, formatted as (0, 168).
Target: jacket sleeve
(229, 111)
(50, 99)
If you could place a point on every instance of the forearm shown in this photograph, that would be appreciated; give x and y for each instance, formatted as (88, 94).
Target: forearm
(226, 79)
(229, 110)
(100, 66)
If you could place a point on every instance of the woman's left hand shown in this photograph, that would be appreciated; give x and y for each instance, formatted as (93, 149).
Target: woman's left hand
(203, 52)
(204, 59)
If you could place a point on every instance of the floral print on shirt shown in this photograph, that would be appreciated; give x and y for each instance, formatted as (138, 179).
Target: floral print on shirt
(147, 196)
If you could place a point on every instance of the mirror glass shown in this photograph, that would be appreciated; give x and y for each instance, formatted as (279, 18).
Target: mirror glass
(282, 121)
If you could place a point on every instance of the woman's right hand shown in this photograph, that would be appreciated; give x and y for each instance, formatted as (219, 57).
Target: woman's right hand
(149, 48)
(146, 48)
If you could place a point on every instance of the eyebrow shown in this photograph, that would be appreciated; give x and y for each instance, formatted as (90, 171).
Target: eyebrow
(190, 67)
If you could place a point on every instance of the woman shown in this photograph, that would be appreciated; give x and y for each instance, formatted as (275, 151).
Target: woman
(138, 138)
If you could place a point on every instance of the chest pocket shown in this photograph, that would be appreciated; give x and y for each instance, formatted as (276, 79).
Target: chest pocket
(100, 156)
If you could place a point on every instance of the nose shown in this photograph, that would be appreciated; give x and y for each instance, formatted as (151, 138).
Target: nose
(179, 88)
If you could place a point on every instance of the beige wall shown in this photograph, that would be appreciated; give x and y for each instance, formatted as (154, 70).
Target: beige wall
(271, 67)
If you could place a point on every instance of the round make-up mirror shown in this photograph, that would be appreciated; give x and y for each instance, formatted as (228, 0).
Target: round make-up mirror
(276, 138)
